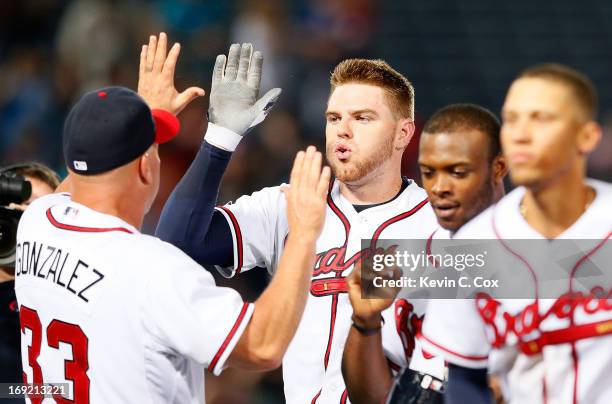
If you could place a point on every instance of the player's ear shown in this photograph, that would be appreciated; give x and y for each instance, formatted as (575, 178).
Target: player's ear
(405, 131)
(499, 169)
(146, 167)
(588, 137)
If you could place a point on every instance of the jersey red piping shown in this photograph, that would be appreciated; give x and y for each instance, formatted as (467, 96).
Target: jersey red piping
(332, 324)
(239, 245)
(343, 219)
(334, 305)
(572, 320)
(457, 354)
(544, 392)
(229, 337)
(347, 227)
(397, 218)
(430, 257)
(575, 360)
(585, 257)
(63, 226)
(315, 398)
(344, 397)
(517, 255)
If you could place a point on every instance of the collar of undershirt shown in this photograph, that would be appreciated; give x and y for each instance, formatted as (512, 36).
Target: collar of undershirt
(361, 208)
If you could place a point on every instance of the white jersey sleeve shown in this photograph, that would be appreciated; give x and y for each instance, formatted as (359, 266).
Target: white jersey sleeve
(256, 222)
(189, 314)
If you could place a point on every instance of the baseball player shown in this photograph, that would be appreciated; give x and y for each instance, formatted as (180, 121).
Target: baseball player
(462, 178)
(551, 350)
(369, 122)
(123, 317)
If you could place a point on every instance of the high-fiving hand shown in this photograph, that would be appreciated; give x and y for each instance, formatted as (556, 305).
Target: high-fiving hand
(156, 77)
(235, 88)
(307, 194)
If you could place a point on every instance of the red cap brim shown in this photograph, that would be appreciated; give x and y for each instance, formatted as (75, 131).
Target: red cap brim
(167, 126)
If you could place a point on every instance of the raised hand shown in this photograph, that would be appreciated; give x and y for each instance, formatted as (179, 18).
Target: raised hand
(307, 194)
(235, 88)
(156, 77)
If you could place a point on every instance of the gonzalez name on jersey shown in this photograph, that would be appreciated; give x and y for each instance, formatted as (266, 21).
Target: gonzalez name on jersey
(118, 315)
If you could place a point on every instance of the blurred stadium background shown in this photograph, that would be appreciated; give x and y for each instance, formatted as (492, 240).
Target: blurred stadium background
(51, 51)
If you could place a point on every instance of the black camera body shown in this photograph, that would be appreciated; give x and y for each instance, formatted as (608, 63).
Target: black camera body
(14, 188)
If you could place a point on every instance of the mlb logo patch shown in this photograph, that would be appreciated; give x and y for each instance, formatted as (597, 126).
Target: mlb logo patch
(80, 165)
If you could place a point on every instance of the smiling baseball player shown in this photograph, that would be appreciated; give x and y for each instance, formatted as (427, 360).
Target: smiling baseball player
(551, 350)
(461, 178)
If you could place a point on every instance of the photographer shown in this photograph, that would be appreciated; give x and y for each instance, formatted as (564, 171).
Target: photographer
(20, 184)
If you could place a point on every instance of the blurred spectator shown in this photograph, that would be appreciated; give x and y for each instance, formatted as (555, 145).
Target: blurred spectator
(326, 32)
(263, 23)
(26, 105)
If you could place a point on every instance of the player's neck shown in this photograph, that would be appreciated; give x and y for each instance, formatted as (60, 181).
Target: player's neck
(553, 208)
(110, 201)
(380, 186)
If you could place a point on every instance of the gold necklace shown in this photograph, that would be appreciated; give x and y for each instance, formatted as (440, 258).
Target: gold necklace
(589, 201)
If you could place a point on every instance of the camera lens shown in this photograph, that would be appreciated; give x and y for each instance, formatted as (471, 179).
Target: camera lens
(9, 219)
(14, 189)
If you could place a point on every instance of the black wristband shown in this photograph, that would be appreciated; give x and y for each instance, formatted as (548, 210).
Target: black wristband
(366, 331)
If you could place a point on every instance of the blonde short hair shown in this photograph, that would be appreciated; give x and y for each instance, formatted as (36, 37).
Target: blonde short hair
(399, 91)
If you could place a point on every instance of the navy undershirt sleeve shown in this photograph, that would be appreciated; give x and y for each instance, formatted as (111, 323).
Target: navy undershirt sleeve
(189, 220)
(467, 385)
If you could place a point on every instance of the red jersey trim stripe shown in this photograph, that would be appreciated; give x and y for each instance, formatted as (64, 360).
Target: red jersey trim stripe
(344, 397)
(332, 325)
(397, 218)
(422, 337)
(315, 398)
(213, 363)
(238, 232)
(63, 226)
(341, 216)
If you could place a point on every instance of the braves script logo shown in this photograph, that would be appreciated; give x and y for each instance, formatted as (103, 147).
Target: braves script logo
(333, 260)
(408, 324)
(526, 323)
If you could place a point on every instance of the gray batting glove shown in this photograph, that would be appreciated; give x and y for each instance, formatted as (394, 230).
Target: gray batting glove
(235, 88)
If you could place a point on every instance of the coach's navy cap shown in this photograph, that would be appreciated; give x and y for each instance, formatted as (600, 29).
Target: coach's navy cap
(110, 127)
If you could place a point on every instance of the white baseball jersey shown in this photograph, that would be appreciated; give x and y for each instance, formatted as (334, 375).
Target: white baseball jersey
(120, 316)
(421, 360)
(549, 351)
(312, 364)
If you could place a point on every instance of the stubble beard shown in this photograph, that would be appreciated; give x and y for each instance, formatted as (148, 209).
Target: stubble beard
(358, 167)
